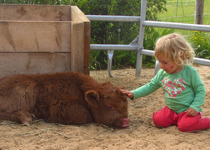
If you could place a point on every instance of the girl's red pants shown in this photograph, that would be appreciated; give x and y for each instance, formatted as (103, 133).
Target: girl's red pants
(167, 117)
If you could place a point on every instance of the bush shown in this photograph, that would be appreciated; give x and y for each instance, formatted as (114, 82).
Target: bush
(200, 45)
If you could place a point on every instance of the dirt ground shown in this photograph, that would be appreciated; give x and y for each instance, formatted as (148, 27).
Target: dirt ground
(141, 133)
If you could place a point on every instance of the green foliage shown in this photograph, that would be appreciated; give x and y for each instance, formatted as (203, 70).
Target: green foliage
(44, 2)
(200, 45)
(117, 32)
(110, 32)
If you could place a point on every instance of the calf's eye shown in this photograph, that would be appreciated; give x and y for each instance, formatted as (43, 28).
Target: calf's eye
(110, 107)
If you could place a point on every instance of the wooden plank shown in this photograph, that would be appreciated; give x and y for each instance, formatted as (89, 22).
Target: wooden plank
(35, 12)
(87, 33)
(77, 47)
(43, 39)
(33, 63)
(35, 36)
(78, 15)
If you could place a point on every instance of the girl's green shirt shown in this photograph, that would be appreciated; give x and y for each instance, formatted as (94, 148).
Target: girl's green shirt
(182, 90)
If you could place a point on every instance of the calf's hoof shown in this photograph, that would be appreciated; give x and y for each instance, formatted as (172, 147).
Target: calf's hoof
(24, 117)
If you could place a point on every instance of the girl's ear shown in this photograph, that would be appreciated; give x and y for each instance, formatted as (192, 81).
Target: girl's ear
(181, 55)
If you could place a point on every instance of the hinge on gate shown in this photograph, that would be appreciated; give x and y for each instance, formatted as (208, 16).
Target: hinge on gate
(139, 50)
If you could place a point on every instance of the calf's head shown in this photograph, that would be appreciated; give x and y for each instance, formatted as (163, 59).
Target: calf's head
(108, 105)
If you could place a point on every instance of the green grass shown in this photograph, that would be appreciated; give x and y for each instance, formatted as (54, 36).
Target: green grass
(182, 11)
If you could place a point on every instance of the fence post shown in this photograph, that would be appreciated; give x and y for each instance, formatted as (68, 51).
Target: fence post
(141, 38)
(199, 6)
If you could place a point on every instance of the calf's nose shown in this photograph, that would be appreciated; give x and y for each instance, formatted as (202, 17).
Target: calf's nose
(125, 122)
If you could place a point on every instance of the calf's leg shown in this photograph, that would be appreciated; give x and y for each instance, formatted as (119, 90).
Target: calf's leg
(18, 116)
(69, 113)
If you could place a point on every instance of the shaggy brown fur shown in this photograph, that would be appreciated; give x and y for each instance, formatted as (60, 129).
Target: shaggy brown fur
(67, 98)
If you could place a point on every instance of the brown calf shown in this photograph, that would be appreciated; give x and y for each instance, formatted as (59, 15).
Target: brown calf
(67, 98)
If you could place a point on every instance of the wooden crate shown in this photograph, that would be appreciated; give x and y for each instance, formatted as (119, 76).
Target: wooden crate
(36, 39)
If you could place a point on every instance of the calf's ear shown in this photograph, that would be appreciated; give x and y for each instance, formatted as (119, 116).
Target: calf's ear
(121, 86)
(92, 98)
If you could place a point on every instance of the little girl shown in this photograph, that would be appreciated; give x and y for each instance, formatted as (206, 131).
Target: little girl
(184, 90)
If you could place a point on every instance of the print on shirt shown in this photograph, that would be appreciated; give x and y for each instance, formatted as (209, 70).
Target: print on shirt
(173, 88)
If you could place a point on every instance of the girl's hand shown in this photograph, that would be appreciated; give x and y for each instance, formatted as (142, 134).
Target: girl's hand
(127, 93)
(191, 112)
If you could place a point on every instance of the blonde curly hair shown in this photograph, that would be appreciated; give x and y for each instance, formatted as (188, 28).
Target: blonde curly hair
(176, 48)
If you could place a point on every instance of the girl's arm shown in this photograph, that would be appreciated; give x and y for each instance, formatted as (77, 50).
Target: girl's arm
(144, 90)
(199, 91)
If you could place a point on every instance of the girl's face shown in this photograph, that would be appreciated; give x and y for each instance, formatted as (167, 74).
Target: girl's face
(168, 65)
